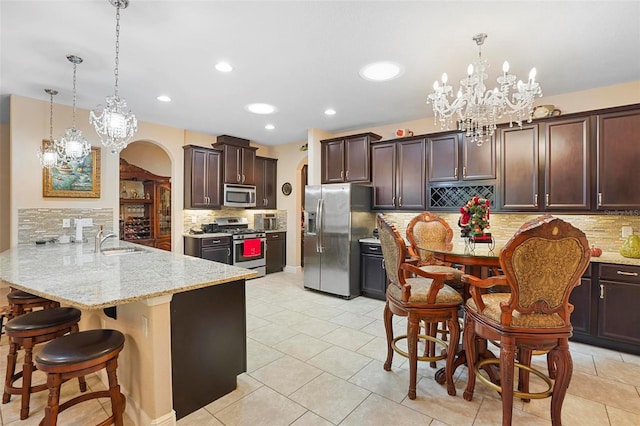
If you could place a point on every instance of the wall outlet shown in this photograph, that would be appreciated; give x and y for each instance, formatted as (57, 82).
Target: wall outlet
(145, 326)
(66, 223)
(626, 231)
(193, 219)
(87, 221)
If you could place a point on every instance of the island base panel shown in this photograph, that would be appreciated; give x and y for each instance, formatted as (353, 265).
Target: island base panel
(208, 344)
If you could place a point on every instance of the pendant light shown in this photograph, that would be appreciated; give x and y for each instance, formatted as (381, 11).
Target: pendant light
(73, 147)
(115, 123)
(47, 154)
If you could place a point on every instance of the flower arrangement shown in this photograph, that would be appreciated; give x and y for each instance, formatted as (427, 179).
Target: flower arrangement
(475, 216)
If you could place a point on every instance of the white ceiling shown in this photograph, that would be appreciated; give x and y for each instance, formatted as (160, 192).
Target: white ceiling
(303, 56)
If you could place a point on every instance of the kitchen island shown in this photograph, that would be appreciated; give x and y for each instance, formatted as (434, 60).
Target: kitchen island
(183, 317)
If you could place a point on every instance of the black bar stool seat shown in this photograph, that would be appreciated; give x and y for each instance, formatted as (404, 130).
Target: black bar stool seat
(76, 355)
(25, 332)
(21, 302)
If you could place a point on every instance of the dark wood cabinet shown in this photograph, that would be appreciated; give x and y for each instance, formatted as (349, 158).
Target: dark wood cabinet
(398, 175)
(567, 165)
(239, 164)
(581, 300)
(619, 295)
(202, 178)
(276, 253)
(618, 160)
(520, 156)
(266, 182)
(373, 277)
(217, 249)
(347, 159)
(454, 157)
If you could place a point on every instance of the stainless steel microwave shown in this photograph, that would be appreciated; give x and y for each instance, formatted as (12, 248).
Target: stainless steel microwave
(239, 195)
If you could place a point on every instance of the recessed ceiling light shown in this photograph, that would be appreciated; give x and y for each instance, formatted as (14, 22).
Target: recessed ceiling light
(224, 67)
(330, 111)
(164, 98)
(269, 127)
(261, 108)
(380, 71)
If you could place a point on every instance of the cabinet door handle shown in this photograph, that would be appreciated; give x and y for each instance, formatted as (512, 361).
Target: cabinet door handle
(601, 291)
(535, 200)
(455, 173)
(599, 199)
(347, 175)
(399, 201)
(546, 200)
(215, 241)
(274, 236)
(628, 274)
(373, 248)
(393, 201)
(228, 251)
(341, 174)
(464, 172)
(383, 267)
(243, 178)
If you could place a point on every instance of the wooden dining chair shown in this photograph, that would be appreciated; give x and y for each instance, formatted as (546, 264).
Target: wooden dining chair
(542, 263)
(418, 295)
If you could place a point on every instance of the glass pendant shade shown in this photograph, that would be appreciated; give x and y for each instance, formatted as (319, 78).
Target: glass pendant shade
(479, 109)
(73, 147)
(115, 123)
(48, 154)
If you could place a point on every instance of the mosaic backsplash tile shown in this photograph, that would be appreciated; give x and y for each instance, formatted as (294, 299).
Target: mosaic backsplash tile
(46, 224)
(196, 218)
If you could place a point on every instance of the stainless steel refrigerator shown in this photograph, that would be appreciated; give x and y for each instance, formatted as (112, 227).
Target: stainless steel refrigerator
(336, 217)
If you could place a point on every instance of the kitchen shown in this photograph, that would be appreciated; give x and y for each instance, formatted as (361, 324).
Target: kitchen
(21, 189)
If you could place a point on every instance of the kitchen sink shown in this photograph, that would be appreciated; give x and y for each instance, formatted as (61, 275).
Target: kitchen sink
(116, 251)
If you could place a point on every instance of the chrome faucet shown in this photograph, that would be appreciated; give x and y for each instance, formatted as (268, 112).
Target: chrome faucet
(101, 238)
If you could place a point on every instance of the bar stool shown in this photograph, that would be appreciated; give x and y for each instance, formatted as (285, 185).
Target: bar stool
(26, 331)
(21, 302)
(76, 355)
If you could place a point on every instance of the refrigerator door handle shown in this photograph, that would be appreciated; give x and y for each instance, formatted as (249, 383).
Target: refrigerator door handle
(318, 224)
(320, 216)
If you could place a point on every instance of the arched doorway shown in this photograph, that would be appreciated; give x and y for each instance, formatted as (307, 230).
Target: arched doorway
(145, 200)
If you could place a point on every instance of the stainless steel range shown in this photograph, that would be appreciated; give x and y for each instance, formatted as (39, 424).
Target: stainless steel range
(248, 245)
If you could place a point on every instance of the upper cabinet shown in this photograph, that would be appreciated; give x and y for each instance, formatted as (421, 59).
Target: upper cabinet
(347, 159)
(398, 174)
(266, 181)
(202, 177)
(618, 164)
(547, 166)
(239, 160)
(447, 165)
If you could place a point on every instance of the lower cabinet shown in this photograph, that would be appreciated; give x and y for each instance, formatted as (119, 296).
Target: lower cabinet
(217, 249)
(276, 251)
(373, 277)
(605, 307)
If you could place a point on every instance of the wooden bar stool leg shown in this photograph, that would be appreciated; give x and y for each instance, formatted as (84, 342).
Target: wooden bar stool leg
(27, 370)
(54, 381)
(117, 401)
(11, 370)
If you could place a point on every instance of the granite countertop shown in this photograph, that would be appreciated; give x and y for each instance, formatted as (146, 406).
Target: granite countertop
(74, 275)
(607, 257)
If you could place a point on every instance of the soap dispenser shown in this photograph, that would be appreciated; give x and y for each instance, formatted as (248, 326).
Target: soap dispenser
(98, 240)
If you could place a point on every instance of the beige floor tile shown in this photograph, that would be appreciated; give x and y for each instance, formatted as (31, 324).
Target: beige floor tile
(348, 338)
(339, 362)
(490, 414)
(330, 397)
(200, 417)
(286, 374)
(271, 334)
(619, 417)
(576, 411)
(351, 320)
(376, 410)
(302, 346)
(246, 385)
(392, 385)
(620, 371)
(262, 407)
(315, 327)
(594, 350)
(259, 355)
(608, 392)
(311, 419)
(262, 309)
(361, 305)
(377, 349)
(254, 322)
(432, 399)
(287, 318)
(322, 312)
(376, 328)
(630, 358)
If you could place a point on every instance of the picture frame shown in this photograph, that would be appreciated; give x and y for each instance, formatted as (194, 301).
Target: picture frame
(80, 180)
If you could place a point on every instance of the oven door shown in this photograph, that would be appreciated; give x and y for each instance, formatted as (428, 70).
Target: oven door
(246, 258)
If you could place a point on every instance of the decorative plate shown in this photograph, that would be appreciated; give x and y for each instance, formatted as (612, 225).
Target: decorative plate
(286, 188)
(542, 111)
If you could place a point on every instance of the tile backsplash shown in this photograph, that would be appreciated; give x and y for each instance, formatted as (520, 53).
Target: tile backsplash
(46, 224)
(196, 218)
(602, 230)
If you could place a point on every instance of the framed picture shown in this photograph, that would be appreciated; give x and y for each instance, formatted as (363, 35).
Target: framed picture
(78, 180)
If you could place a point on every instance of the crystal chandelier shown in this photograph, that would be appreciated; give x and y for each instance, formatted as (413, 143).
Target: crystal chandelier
(115, 123)
(73, 147)
(478, 109)
(47, 154)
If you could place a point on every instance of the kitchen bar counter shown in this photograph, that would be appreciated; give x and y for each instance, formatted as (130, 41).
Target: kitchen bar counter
(174, 310)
